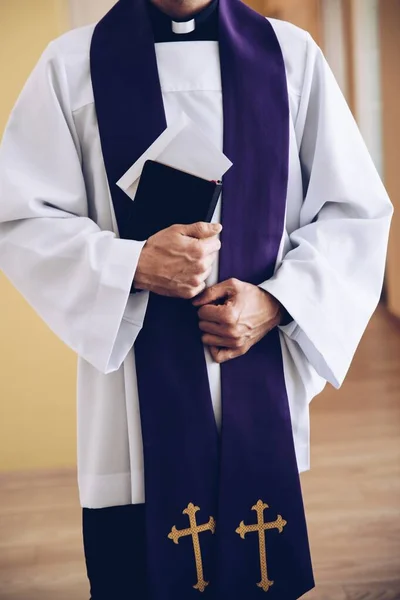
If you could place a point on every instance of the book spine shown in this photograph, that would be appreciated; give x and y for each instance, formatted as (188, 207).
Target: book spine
(214, 202)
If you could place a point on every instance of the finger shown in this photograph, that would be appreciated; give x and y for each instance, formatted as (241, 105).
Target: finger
(201, 266)
(223, 314)
(201, 281)
(216, 329)
(200, 230)
(215, 293)
(216, 340)
(194, 291)
(210, 312)
(222, 355)
(209, 245)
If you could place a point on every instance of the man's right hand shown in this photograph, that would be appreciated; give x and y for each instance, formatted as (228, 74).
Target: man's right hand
(177, 261)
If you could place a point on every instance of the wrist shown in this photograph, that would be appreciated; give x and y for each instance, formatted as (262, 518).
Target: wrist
(281, 317)
(141, 280)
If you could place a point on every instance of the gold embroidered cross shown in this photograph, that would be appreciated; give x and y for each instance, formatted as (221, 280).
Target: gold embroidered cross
(261, 527)
(194, 531)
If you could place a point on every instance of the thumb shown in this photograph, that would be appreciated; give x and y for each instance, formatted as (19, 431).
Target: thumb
(201, 230)
(216, 293)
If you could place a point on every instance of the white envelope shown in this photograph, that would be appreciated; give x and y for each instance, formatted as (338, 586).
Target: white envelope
(182, 146)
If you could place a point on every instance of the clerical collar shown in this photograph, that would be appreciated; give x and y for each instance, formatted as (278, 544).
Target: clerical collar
(202, 26)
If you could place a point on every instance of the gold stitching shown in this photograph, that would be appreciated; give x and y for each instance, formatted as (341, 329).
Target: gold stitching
(261, 527)
(194, 531)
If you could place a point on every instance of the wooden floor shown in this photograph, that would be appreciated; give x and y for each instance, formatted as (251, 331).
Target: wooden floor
(352, 496)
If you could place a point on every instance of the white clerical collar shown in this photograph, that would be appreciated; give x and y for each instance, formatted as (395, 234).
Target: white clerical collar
(183, 26)
(201, 26)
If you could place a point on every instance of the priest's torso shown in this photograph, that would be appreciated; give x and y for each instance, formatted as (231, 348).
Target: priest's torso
(108, 404)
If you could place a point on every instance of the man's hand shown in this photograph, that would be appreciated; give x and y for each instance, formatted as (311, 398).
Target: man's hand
(178, 260)
(234, 316)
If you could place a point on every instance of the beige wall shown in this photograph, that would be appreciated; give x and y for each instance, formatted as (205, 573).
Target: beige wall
(84, 12)
(37, 373)
(390, 55)
(303, 13)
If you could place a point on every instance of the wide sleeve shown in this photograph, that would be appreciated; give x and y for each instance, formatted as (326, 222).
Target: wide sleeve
(76, 277)
(330, 281)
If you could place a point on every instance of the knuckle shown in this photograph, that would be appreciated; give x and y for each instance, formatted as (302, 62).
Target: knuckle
(213, 247)
(231, 331)
(201, 266)
(238, 343)
(231, 318)
(197, 252)
(188, 293)
(235, 315)
(195, 281)
(199, 226)
(234, 283)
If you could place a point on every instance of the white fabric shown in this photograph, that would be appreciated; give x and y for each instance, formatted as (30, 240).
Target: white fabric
(58, 241)
(184, 26)
(183, 146)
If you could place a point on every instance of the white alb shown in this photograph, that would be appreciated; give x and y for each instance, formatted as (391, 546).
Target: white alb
(58, 242)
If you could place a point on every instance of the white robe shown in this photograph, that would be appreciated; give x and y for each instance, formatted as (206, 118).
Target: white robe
(59, 247)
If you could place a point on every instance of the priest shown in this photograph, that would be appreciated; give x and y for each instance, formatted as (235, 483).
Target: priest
(200, 348)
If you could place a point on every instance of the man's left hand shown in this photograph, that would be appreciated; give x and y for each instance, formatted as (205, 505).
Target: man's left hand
(234, 316)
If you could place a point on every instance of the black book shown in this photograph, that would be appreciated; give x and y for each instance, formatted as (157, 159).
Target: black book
(168, 196)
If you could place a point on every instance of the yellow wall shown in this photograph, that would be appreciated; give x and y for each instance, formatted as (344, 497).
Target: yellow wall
(37, 373)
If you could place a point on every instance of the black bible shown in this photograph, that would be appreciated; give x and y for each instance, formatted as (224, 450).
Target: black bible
(167, 196)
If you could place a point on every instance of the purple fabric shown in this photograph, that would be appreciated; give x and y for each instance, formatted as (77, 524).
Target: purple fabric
(185, 458)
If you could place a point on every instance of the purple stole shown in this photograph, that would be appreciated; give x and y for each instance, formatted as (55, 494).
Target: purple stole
(224, 513)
